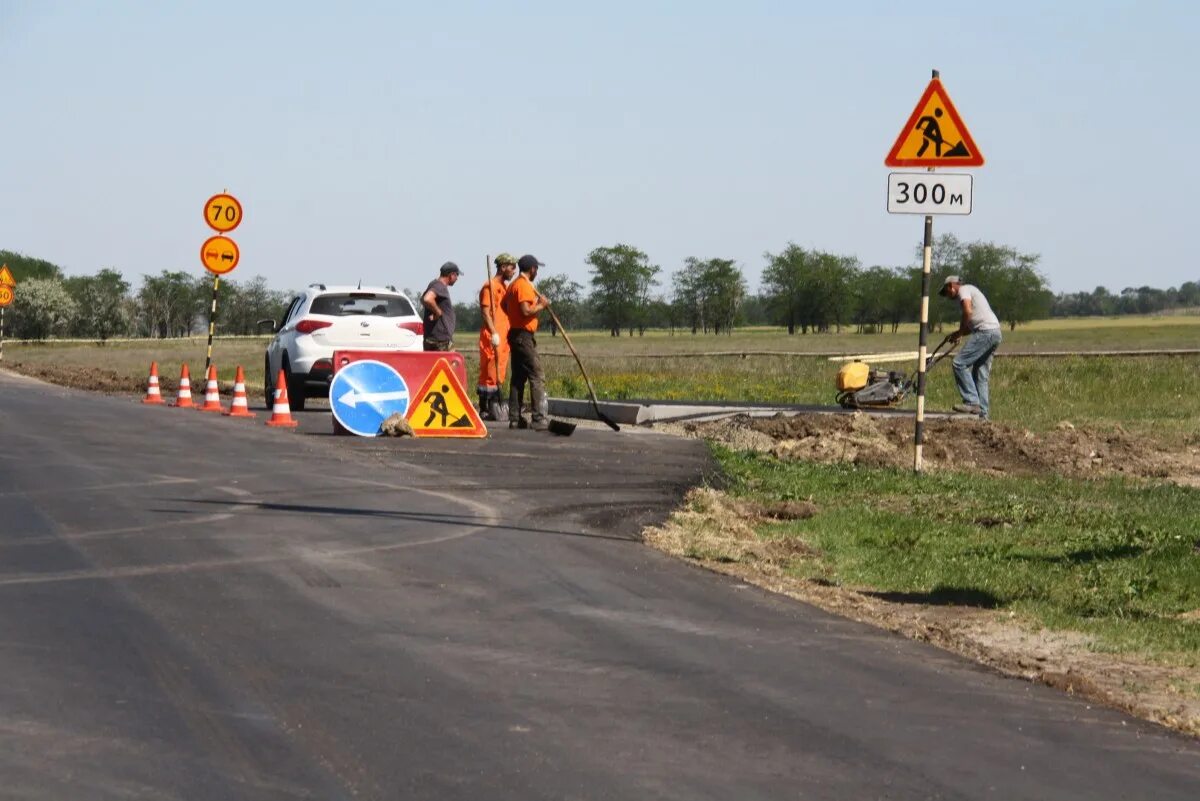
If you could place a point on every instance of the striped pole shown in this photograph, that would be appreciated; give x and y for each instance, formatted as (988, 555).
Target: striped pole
(922, 348)
(212, 322)
(923, 344)
(1, 333)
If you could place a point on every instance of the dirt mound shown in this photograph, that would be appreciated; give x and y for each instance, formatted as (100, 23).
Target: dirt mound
(76, 377)
(954, 443)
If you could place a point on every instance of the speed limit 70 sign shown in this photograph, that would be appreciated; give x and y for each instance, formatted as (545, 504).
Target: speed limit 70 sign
(929, 193)
(223, 212)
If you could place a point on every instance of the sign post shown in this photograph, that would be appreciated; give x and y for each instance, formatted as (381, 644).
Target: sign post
(219, 254)
(934, 136)
(7, 292)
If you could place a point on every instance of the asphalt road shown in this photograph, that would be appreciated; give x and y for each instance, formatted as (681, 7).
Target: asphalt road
(203, 608)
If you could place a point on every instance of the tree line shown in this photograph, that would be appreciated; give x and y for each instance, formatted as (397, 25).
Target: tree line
(805, 290)
(105, 305)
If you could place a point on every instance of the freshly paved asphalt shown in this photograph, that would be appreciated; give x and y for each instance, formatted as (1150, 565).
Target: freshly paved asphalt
(203, 608)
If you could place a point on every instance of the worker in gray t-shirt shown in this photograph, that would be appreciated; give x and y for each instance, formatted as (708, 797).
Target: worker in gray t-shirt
(437, 310)
(973, 364)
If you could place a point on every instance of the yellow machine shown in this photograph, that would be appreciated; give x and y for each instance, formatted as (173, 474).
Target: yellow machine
(860, 387)
(853, 376)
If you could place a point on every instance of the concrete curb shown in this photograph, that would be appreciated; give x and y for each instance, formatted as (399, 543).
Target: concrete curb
(647, 412)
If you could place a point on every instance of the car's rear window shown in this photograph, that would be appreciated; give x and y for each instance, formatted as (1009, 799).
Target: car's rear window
(344, 305)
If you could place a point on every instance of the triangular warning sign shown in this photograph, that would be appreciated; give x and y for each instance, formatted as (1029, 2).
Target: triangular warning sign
(6, 277)
(441, 407)
(934, 135)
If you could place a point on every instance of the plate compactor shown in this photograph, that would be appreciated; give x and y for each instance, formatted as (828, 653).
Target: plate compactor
(861, 387)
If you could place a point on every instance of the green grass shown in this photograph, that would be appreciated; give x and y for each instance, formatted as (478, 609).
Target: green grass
(1087, 333)
(1156, 396)
(1116, 559)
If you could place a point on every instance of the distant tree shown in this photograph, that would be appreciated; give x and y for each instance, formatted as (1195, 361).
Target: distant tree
(709, 293)
(101, 303)
(622, 279)
(665, 313)
(566, 296)
(170, 303)
(902, 297)
(872, 295)
(42, 308)
(240, 306)
(468, 319)
(1189, 294)
(783, 286)
(755, 311)
(25, 267)
(829, 298)
(1009, 279)
(687, 299)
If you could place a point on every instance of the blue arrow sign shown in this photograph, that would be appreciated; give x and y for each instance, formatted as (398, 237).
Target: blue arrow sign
(364, 394)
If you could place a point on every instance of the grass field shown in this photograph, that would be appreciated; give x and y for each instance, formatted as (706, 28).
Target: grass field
(1088, 333)
(1111, 558)
(1155, 395)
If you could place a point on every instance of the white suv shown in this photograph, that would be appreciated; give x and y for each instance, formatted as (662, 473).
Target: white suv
(323, 319)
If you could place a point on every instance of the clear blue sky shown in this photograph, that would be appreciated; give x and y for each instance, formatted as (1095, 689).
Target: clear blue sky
(377, 140)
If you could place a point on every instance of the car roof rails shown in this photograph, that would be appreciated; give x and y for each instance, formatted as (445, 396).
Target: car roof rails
(318, 286)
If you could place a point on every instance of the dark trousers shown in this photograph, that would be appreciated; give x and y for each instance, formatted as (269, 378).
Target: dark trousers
(526, 368)
(437, 344)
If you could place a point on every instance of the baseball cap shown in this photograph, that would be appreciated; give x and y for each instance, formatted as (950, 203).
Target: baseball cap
(450, 267)
(505, 258)
(527, 263)
(950, 279)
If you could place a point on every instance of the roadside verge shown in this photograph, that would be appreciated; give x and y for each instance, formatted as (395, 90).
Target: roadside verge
(1091, 586)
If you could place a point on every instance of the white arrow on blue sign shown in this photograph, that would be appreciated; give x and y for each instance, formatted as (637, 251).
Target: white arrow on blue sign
(364, 394)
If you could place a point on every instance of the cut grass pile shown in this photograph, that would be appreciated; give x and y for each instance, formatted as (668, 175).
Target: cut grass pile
(1115, 559)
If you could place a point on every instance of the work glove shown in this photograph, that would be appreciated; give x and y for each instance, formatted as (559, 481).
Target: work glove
(495, 340)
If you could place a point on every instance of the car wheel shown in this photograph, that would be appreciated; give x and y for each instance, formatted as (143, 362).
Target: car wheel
(295, 388)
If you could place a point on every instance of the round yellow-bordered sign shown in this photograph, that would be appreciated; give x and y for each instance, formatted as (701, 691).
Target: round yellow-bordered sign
(219, 254)
(6, 295)
(223, 213)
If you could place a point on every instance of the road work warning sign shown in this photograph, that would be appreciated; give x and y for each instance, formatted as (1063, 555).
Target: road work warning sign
(441, 407)
(934, 136)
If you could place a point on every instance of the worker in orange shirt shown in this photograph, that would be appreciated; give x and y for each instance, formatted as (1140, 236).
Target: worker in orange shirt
(493, 340)
(522, 303)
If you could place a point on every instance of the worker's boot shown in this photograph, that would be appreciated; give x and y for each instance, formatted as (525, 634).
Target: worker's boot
(484, 409)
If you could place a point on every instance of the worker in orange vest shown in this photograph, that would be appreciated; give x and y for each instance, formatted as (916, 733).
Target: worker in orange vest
(493, 340)
(523, 303)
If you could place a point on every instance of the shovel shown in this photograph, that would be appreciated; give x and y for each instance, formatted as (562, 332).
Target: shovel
(591, 390)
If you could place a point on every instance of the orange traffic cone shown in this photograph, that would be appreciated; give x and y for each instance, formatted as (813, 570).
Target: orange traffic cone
(281, 411)
(153, 395)
(212, 394)
(183, 397)
(238, 407)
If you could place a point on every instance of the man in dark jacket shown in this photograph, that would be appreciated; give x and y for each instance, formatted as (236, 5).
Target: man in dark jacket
(437, 312)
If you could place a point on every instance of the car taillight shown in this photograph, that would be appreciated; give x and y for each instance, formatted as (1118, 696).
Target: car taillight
(416, 328)
(308, 326)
